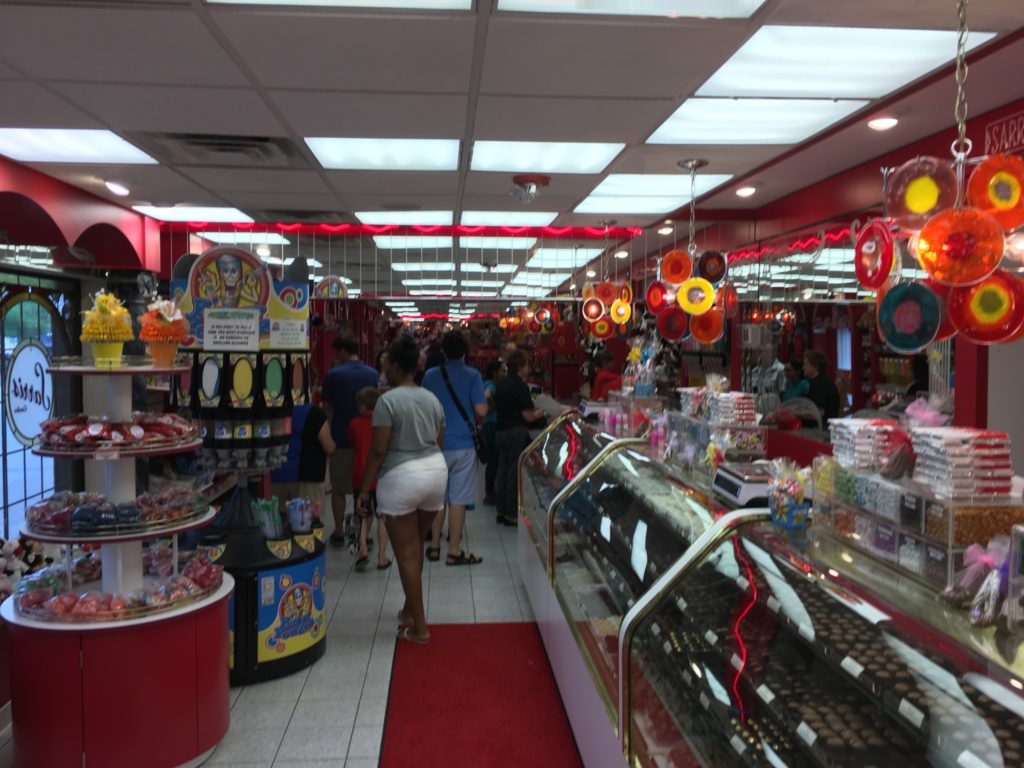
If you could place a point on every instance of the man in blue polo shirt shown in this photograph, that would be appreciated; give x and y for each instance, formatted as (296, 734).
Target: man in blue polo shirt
(459, 450)
(341, 384)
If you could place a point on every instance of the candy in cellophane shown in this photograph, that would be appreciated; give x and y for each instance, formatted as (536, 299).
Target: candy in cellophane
(960, 247)
(918, 190)
(988, 312)
(997, 187)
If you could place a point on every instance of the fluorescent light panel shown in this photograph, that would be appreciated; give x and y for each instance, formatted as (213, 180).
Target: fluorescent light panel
(62, 145)
(717, 9)
(479, 294)
(429, 281)
(419, 5)
(392, 242)
(543, 157)
(431, 293)
(507, 218)
(386, 154)
(562, 258)
(833, 62)
(245, 238)
(543, 279)
(406, 218)
(751, 121)
(646, 193)
(498, 243)
(194, 213)
(423, 266)
(481, 283)
(528, 291)
(498, 269)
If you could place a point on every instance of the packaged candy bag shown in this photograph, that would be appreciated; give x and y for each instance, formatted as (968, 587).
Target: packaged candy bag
(786, 495)
(979, 562)
(985, 605)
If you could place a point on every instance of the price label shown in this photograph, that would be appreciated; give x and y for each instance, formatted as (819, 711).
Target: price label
(912, 714)
(742, 583)
(106, 456)
(766, 694)
(773, 605)
(704, 701)
(711, 637)
(852, 667)
(968, 759)
(682, 604)
(805, 732)
(737, 662)
(737, 744)
(806, 630)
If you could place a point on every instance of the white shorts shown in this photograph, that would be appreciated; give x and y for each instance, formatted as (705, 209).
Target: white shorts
(416, 484)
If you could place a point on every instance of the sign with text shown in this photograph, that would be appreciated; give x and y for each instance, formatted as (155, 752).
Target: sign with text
(231, 330)
(288, 334)
(1006, 135)
(28, 390)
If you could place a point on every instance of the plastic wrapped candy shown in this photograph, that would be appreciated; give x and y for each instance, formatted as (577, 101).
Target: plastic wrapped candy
(985, 605)
(300, 515)
(786, 496)
(979, 562)
(909, 316)
(707, 328)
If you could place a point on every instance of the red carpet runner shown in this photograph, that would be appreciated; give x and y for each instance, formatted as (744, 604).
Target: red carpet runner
(478, 695)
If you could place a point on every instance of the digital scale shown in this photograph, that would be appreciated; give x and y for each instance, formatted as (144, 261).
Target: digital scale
(743, 484)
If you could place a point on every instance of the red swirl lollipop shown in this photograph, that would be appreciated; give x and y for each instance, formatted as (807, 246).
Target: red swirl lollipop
(997, 188)
(657, 297)
(606, 293)
(873, 255)
(991, 311)
(672, 324)
(918, 190)
(960, 246)
(707, 328)
(676, 267)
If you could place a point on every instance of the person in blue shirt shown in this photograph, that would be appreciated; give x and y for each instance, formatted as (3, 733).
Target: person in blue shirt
(341, 384)
(454, 376)
(796, 384)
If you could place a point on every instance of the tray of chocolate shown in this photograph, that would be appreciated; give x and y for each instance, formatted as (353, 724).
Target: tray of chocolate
(44, 599)
(91, 516)
(79, 433)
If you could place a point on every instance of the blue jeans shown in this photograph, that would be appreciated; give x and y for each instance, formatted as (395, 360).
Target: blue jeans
(491, 471)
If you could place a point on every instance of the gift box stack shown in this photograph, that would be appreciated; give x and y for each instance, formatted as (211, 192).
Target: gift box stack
(961, 463)
(861, 444)
(732, 408)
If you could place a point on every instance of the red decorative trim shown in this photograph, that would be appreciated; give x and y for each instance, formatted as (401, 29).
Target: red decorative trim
(366, 230)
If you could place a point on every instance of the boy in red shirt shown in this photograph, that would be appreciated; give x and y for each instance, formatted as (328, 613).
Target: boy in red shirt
(360, 435)
(606, 379)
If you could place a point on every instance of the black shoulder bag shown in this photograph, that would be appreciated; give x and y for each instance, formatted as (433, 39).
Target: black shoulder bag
(478, 442)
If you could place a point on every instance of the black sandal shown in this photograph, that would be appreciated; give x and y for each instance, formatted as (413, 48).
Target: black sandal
(463, 559)
(433, 554)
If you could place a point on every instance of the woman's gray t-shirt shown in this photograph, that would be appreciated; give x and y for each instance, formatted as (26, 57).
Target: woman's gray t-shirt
(415, 417)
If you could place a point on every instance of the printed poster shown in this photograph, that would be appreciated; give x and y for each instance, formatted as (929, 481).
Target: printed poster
(292, 615)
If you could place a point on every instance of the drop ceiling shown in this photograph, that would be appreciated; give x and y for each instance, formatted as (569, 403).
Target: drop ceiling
(146, 67)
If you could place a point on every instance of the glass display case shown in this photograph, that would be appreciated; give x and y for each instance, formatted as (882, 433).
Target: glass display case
(716, 639)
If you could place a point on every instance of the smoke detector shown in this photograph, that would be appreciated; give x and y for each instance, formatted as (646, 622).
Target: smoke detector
(526, 186)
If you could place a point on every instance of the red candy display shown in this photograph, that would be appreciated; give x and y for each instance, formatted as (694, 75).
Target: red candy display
(80, 432)
(90, 514)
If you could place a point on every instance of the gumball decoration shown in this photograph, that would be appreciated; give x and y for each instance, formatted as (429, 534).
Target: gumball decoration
(620, 311)
(708, 327)
(603, 328)
(727, 300)
(908, 317)
(593, 310)
(672, 324)
(918, 190)
(626, 293)
(606, 293)
(677, 267)
(873, 255)
(657, 297)
(995, 188)
(990, 311)
(696, 296)
(711, 265)
(960, 247)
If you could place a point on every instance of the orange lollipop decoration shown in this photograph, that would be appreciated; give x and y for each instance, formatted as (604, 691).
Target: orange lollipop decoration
(657, 297)
(672, 324)
(606, 293)
(990, 311)
(620, 311)
(960, 247)
(676, 267)
(626, 293)
(997, 188)
(707, 328)
(918, 190)
(593, 310)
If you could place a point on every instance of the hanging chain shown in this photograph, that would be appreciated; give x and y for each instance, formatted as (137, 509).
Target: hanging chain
(691, 247)
(960, 110)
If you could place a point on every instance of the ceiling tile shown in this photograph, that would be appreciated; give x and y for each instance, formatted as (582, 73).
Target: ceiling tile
(397, 184)
(992, 15)
(376, 115)
(559, 119)
(653, 158)
(365, 201)
(604, 59)
(114, 45)
(501, 201)
(258, 180)
(176, 109)
(26, 105)
(154, 184)
(283, 202)
(331, 51)
(595, 220)
(562, 184)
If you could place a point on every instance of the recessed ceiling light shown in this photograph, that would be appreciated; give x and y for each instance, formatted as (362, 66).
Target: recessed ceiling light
(591, 273)
(498, 243)
(665, 231)
(406, 218)
(746, 191)
(562, 258)
(118, 189)
(646, 193)
(543, 157)
(751, 121)
(61, 145)
(264, 251)
(833, 62)
(245, 238)
(621, 254)
(498, 269)
(386, 154)
(423, 266)
(882, 123)
(393, 242)
(716, 9)
(194, 213)
(543, 279)
(507, 218)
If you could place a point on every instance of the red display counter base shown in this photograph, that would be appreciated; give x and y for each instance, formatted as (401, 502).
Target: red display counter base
(151, 693)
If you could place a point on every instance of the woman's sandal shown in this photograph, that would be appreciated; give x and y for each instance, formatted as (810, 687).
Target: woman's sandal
(433, 554)
(384, 566)
(405, 633)
(463, 559)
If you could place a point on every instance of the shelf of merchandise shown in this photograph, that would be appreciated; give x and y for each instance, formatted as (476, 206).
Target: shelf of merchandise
(156, 531)
(176, 695)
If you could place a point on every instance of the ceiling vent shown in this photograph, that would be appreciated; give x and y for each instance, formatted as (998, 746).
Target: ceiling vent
(204, 149)
(301, 217)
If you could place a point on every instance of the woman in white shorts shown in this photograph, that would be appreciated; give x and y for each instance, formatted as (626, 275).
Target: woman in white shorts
(406, 459)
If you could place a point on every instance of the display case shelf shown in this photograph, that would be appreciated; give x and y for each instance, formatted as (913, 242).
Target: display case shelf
(114, 454)
(130, 366)
(126, 532)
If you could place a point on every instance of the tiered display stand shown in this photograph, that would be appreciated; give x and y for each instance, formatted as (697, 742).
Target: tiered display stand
(150, 690)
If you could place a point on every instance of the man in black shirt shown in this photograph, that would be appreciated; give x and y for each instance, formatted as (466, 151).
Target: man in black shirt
(515, 411)
(823, 392)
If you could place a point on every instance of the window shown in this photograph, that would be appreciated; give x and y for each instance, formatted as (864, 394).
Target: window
(844, 349)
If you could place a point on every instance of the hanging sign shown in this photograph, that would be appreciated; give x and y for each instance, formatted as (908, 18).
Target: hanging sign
(1006, 135)
(28, 390)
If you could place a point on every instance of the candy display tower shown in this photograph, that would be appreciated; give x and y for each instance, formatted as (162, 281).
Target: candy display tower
(145, 690)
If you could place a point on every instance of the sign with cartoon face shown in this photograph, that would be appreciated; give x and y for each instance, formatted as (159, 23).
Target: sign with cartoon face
(292, 615)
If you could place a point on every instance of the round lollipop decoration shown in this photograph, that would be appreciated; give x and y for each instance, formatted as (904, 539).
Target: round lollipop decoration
(988, 312)
(727, 299)
(672, 324)
(711, 265)
(620, 312)
(593, 310)
(603, 328)
(960, 246)
(696, 296)
(908, 317)
(677, 267)
(918, 190)
(873, 255)
(707, 328)
(657, 297)
(997, 188)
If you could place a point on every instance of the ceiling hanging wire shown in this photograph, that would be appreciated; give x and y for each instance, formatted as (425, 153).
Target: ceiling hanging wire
(962, 146)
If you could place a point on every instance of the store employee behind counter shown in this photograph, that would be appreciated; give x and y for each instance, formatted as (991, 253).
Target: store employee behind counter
(516, 412)
(822, 390)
